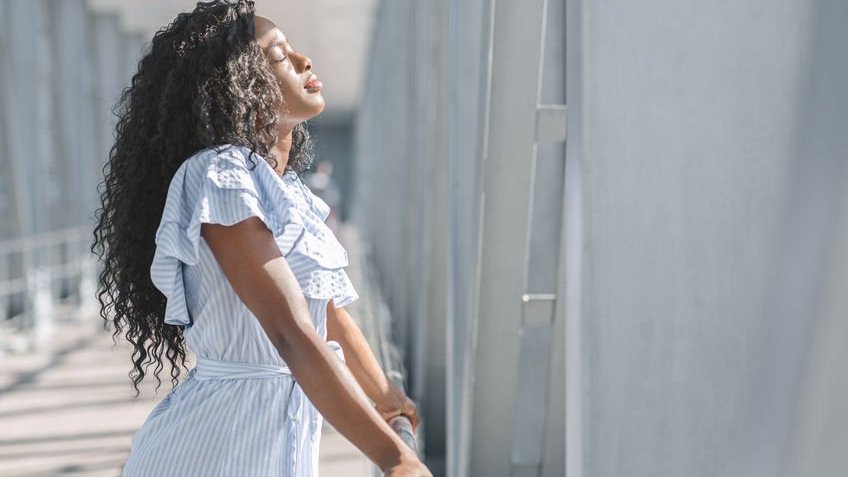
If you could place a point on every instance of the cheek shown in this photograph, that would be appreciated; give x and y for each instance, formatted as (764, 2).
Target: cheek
(289, 83)
(291, 91)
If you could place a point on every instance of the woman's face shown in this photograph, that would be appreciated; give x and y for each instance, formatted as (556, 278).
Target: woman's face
(293, 71)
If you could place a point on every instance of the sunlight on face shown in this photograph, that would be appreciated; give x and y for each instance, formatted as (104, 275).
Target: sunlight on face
(293, 71)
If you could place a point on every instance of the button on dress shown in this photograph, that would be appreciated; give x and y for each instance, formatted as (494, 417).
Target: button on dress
(239, 411)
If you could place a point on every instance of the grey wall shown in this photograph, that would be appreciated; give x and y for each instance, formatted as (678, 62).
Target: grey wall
(459, 192)
(687, 126)
(401, 197)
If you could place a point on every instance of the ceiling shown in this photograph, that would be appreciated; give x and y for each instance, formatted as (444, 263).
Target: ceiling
(335, 34)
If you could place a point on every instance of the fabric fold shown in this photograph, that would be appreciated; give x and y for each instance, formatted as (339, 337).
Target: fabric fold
(222, 186)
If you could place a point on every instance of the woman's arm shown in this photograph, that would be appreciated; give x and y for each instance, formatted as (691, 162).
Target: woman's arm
(389, 399)
(253, 264)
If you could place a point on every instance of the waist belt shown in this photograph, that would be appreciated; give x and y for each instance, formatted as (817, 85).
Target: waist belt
(207, 368)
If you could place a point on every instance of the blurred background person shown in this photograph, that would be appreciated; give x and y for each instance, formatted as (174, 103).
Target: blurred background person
(324, 186)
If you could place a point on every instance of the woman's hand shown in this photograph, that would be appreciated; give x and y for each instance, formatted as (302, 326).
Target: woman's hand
(397, 402)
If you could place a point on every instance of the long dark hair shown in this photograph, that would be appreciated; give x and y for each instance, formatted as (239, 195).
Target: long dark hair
(202, 82)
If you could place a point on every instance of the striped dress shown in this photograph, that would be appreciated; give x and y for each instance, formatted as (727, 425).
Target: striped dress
(239, 411)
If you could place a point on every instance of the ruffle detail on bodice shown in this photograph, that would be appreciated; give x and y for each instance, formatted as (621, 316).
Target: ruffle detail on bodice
(222, 186)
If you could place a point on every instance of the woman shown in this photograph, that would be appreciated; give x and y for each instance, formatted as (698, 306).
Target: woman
(210, 239)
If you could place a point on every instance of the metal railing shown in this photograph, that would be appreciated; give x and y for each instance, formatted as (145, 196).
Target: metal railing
(375, 321)
(44, 278)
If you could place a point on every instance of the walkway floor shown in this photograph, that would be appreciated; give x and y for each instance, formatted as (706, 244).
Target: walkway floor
(69, 410)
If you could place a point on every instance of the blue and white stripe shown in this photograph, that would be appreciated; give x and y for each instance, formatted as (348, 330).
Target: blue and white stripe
(239, 411)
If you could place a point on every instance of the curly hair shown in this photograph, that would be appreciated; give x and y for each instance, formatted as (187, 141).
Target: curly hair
(202, 82)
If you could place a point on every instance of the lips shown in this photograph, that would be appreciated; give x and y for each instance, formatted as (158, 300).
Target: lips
(311, 82)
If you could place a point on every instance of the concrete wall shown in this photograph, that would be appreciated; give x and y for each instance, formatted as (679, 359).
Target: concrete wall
(687, 127)
(459, 195)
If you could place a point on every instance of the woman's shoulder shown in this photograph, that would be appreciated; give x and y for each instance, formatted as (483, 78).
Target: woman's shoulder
(225, 156)
(225, 167)
(218, 186)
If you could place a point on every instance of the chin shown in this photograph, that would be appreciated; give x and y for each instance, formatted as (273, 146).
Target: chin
(307, 109)
(318, 111)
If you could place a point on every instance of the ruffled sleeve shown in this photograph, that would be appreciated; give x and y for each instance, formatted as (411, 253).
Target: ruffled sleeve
(318, 259)
(212, 186)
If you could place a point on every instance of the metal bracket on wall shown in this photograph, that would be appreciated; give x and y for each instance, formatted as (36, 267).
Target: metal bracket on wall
(537, 309)
(551, 122)
(537, 314)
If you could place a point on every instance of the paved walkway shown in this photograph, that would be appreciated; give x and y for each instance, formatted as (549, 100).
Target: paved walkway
(69, 410)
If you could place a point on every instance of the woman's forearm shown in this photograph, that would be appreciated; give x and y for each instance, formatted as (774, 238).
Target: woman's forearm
(263, 280)
(360, 358)
(329, 384)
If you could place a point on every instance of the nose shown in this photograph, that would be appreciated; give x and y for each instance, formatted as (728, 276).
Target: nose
(307, 62)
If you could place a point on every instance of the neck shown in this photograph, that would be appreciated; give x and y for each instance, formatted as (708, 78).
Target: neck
(282, 147)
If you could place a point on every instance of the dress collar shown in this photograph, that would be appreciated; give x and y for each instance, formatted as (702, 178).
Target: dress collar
(289, 176)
